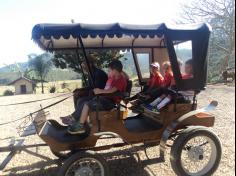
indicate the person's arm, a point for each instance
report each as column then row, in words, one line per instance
column 104, row 91
column 151, row 84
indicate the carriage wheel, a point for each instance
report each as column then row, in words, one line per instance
column 84, row 164
column 196, row 152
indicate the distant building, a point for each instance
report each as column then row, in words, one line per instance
column 23, row 85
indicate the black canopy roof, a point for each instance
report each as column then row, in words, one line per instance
column 56, row 36
column 52, row 37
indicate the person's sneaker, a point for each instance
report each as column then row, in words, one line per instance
column 76, row 128
column 150, row 108
column 68, row 120
column 155, row 110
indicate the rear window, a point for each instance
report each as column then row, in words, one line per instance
column 143, row 60
column 183, row 50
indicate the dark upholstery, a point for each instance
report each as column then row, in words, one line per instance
column 140, row 124
column 129, row 87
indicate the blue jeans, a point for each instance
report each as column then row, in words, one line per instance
column 103, row 103
column 79, row 107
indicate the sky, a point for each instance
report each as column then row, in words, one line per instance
column 18, row 17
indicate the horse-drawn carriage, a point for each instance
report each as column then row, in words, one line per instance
column 195, row 150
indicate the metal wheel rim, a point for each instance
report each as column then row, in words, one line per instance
column 86, row 167
column 193, row 153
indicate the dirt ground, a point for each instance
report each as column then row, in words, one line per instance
column 121, row 162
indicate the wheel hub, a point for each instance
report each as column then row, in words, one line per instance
column 196, row 153
column 84, row 171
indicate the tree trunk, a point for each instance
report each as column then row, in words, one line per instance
column 42, row 86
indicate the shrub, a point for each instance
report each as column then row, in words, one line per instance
column 52, row 89
column 64, row 85
column 8, row 93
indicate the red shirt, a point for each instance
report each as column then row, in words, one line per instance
column 156, row 80
column 168, row 79
column 184, row 76
column 120, row 84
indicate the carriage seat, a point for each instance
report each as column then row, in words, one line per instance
column 129, row 88
column 121, row 95
column 179, row 100
column 116, row 109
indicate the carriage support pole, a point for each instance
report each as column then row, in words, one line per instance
column 14, row 149
column 79, row 62
column 90, row 74
column 11, row 154
column 136, row 64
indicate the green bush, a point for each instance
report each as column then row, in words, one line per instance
column 64, row 85
column 52, row 89
column 8, row 93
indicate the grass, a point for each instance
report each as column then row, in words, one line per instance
column 61, row 86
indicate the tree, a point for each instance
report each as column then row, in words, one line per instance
column 104, row 57
column 71, row 59
column 220, row 14
column 40, row 65
column 68, row 59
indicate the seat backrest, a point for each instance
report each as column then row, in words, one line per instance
column 129, row 87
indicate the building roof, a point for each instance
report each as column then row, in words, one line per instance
column 24, row 78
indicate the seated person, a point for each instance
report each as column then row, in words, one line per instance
column 98, row 76
column 168, row 77
column 167, row 82
column 125, row 75
column 156, row 80
column 168, row 94
column 116, row 82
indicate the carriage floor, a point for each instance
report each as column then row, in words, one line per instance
column 140, row 124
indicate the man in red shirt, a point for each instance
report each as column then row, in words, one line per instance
column 116, row 82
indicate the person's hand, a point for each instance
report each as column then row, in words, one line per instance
column 97, row 91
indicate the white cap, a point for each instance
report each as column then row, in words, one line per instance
column 156, row 65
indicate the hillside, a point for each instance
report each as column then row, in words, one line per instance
column 55, row 74
column 7, row 69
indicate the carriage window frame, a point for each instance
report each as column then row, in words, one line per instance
column 184, row 45
column 181, row 84
column 122, row 51
column 143, row 70
column 142, row 79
